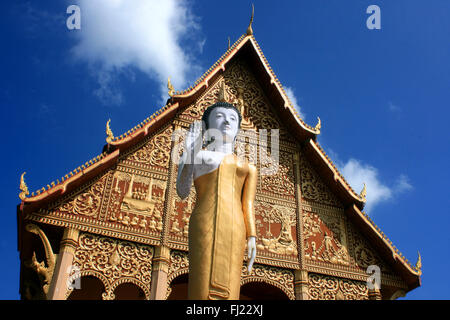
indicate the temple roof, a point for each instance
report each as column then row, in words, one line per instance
column 245, row 47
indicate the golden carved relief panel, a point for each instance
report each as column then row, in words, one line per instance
column 85, row 202
column 279, row 179
column 322, row 287
column 278, row 277
column 313, row 188
column 325, row 237
column 179, row 264
column 114, row 262
column 363, row 255
column 276, row 230
column 332, row 245
column 179, row 219
column 153, row 153
column 137, row 200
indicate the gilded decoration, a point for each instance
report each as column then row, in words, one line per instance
column 280, row 278
column 313, row 187
column 114, row 262
column 282, row 182
column 179, row 264
column 137, row 201
column 179, row 220
column 44, row 269
column 180, row 209
column 23, row 188
column 324, row 237
column 322, row 287
column 276, row 229
column 85, row 202
column 362, row 253
column 154, row 152
column 333, row 246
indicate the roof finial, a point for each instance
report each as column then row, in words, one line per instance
column 419, row 263
column 170, row 87
column 109, row 133
column 318, row 125
column 229, row 43
column 23, row 187
column 363, row 193
column 249, row 29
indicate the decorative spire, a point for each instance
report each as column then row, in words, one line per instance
column 318, row 125
column 363, row 193
column 110, row 135
column 249, row 29
column 229, row 43
column 419, row 263
column 23, row 188
column 170, row 87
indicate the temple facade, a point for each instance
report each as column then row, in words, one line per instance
column 114, row 228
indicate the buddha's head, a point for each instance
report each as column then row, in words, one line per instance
column 222, row 119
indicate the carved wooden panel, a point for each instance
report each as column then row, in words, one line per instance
column 137, row 201
column 114, row 262
column 152, row 153
column 322, row 287
column 333, row 246
column 276, row 227
column 313, row 188
column 363, row 255
column 138, row 188
column 325, row 236
column 84, row 203
column 277, row 277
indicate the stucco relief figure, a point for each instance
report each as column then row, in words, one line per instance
column 223, row 218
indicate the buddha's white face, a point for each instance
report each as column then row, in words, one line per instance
column 226, row 121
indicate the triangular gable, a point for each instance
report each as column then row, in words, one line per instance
column 246, row 47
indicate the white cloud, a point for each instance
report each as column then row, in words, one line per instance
column 402, row 184
column 356, row 173
column 290, row 93
column 143, row 34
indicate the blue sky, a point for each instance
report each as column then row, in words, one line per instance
column 382, row 96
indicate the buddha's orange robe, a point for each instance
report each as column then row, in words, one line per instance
column 220, row 223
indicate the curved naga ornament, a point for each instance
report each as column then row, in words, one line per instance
column 318, row 126
column 418, row 266
column 170, row 87
column 109, row 133
column 45, row 273
column 23, row 188
column 363, row 193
